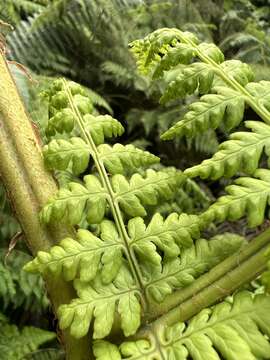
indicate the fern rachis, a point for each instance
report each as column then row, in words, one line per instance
column 127, row 263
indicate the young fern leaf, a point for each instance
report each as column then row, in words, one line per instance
column 130, row 263
column 139, row 191
column 223, row 82
column 100, row 302
column 109, row 265
column 241, row 153
column 229, row 331
column 197, row 76
column 73, row 202
column 60, row 154
column 169, row 235
column 192, row 262
column 247, row 196
column 226, row 107
column 118, row 159
column 84, row 256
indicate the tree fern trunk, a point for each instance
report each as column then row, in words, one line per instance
column 29, row 186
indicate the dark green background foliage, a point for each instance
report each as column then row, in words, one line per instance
column 87, row 41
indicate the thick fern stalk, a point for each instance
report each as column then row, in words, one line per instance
column 124, row 257
column 29, row 186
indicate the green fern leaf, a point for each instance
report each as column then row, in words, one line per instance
column 60, row 153
column 209, row 113
column 19, row 289
column 260, row 91
column 83, row 256
column 70, row 203
column 150, row 50
column 212, row 51
column 247, row 196
column 16, row 344
column 100, row 302
column 105, row 351
column 237, row 70
column 196, row 76
column 229, row 331
column 180, row 54
column 62, row 121
column 168, row 235
column 7, row 285
column 134, row 195
column 241, row 153
column 119, row 159
column 102, row 126
column 192, row 262
column 46, row 354
column 87, row 254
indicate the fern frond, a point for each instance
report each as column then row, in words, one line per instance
column 103, row 126
column 119, row 159
column 16, row 344
column 208, row 113
column 196, row 76
column 140, row 191
column 227, row 331
column 169, row 235
column 130, row 263
column 72, row 202
column 241, row 153
column 204, row 72
column 192, row 262
column 18, row 288
column 59, row 154
column 247, row 196
column 99, row 302
column 87, row 254
column 82, row 257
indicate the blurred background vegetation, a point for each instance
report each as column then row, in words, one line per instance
column 88, row 41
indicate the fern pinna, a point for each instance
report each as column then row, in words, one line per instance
column 127, row 265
